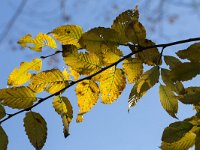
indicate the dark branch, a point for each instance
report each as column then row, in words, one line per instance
column 140, row 49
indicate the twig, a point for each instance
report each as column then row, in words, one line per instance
column 140, row 49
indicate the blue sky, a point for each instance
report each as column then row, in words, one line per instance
column 105, row 127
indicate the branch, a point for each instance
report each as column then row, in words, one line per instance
column 13, row 20
column 140, row 49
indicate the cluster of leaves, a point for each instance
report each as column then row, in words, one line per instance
column 101, row 70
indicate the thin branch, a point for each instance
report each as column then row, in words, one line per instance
column 12, row 20
column 140, row 49
column 44, row 57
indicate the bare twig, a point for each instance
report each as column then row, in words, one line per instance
column 140, row 49
column 13, row 20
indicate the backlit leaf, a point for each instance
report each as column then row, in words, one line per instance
column 190, row 96
column 2, row 112
column 21, row 75
column 64, row 108
column 96, row 37
column 185, row 71
column 4, row 139
column 87, row 93
column 168, row 100
column 51, row 81
column 150, row 56
column 83, row 63
column 172, row 61
column 192, row 53
column 123, row 20
column 112, row 83
column 74, row 74
column 36, row 129
column 17, row 97
column 146, row 81
column 133, row 68
column 69, row 34
column 135, row 32
column 38, row 42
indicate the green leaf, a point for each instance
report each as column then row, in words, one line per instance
column 172, row 61
column 21, row 75
column 150, row 56
column 4, row 139
column 190, row 96
column 197, row 141
column 192, row 53
column 69, row 34
column 36, row 129
column 96, row 37
column 64, row 108
column 122, row 21
column 135, row 32
column 83, row 63
column 168, row 100
column 185, row 71
column 133, row 68
column 51, row 81
column 146, row 81
column 2, row 112
column 17, row 97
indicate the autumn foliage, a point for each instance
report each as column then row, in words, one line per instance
column 96, row 63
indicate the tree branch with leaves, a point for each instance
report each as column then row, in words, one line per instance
column 100, row 69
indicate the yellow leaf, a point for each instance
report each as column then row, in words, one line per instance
column 150, row 56
column 51, row 81
column 135, row 32
column 83, row 63
column 133, row 69
column 36, row 129
column 2, row 112
column 168, row 100
column 122, row 21
column 146, row 81
column 74, row 74
column 64, row 108
column 96, row 37
column 4, row 139
column 17, row 97
column 21, row 75
column 87, row 93
column 66, row 74
column 79, row 118
column 38, row 42
column 69, row 34
column 112, row 83
column 192, row 53
column 185, row 71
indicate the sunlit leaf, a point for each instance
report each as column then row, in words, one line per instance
column 4, row 139
column 51, row 81
column 190, row 96
column 192, row 53
column 66, row 74
column 36, row 129
column 96, row 37
column 17, row 97
column 146, row 81
column 122, row 21
column 150, row 56
column 172, row 61
column 2, row 112
column 133, row 68
column 69, row 34
column 135, row 32
column 168, row 100
column 38, row 42
column 185, row 71
column 21, row 75
column 83, row 63
column 74, row 74
column 87, row 93
column 112, row 83
column 64, row 108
